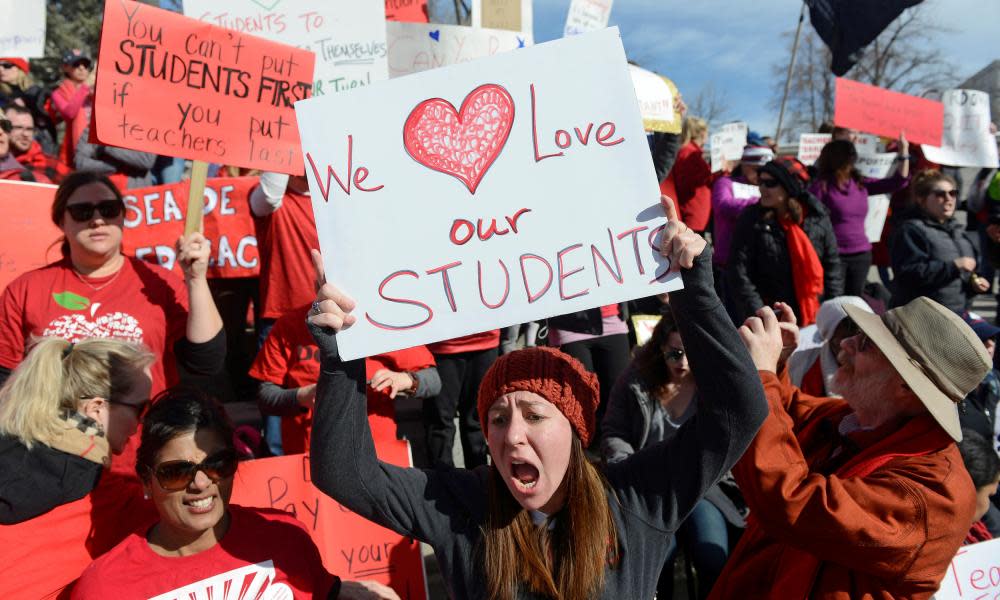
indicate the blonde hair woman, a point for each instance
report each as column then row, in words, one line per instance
column 64, row 410
column 691, row 176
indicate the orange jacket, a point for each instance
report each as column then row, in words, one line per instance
column 883, row 521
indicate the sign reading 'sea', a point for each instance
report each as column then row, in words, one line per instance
column 485, row 194
column 180, row 87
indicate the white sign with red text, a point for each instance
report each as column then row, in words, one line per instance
column 486, row 194
column 967, row 141
column 810, row 145
column 727, row 144
column 876, row 166
column 587, row 15
column 416, row 47
column 974, row 573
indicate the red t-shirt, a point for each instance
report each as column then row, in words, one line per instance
column 290, row 358
column 45, row 554
column 266, row 554
column 284, row 239
column 140, row 303
column 467, row 343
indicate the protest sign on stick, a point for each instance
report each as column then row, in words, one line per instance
column 408, row 11
column 727, row 144
column 509, row 190
column 882, row 112
column 876, row 166
column 415, row 47
column 512, row 15
column 351, row 546
column 967, row 138
column 347, row 36
column 179, row 87
column 22, row 28
column 810, row 145
column 973, row 574
column 587, row 15
column 656, row 96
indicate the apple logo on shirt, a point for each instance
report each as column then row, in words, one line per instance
column 250, row 581
column 78, row 326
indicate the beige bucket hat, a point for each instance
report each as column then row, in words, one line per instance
column 938, row 356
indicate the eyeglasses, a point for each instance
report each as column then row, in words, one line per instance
column 940, row 194
column 84, row 211
column 176, row 475
column 673, row 354
column 7, row 65
column 769, row 183
column 82, row 63
column 6, row 125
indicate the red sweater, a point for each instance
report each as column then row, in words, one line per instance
column 691, row 177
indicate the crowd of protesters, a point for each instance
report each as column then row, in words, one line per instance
column 775, row 461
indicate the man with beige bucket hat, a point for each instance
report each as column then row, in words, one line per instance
column 863, row 496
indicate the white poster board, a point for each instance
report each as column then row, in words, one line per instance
column 810, row 145
column 866, row 144
column 967, row 141
column 512, row 15
column 877, row 166
column 727, row 144
column 656, row 96
column 22, row 28
column 482, row 195
column 974, row 573
column 415, row 47
column 347, row 36
column 587, row 15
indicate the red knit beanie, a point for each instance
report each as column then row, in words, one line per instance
column 20, row 63
column 553, row 375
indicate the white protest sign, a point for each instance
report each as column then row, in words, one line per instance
column 22, row 28
column 810, row 145
column 485, row 194
column 745, row 191
column 866, row 144
column 415, row 47
column 347, row 36
column 727, row 144
column 973, row 574
column 876, row 166
column 967, row 141
column 512, row 15
column 656, row 96
column 587, row 15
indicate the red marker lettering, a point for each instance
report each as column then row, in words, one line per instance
column 616, row 273
column 446, row 281
column 506, row 285
column 381, row 293
column 563, row 275
column 524, row 277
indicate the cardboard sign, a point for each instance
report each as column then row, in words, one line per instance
column 512, row 15
column 22, row 29
column 154, row 219
column 180, row 87
column 967, row 138
column 587, row 15
column 656, row 96
column 30, row 239
column 351, row 547
column 728, row 144
column 491, row 184
column 886, row 113
column 973, row 574
column 415, row 47
column 810, row 145
column 409, row 11
column 878, row 167
column 347, row 36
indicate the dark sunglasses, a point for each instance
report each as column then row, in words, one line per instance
column 6, row 125
column 940, row 194
column 673, row 354
column 81, row 63
column 769, row 183
column 7, row 65
column 176, row 475
column 84, row 211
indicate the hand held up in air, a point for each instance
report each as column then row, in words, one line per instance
column 763, row 337
column 677, row 242
column 332, row 307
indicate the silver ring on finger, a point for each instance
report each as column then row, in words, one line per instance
column 315, row 309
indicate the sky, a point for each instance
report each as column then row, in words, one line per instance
column 733, row 44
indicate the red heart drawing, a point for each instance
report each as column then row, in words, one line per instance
column 461, row 143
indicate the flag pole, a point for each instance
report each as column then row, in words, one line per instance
column 788, row 78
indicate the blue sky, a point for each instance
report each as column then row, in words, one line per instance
column 732, row 44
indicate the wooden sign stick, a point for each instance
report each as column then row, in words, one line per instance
column 196, row 197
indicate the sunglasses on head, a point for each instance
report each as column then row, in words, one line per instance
column 940, row 194
column 769, row 183
column 176, row 475
column 84, row 211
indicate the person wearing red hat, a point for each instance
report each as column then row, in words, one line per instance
column 541, row 520
column 17, row 88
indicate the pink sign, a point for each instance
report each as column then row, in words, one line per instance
column 882, row 112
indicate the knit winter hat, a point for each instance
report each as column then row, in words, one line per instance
column 553, row 375
column 790, row 173
column 756, row 155
column 20, row 63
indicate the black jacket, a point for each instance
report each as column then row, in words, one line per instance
column 759, row 272
column 33, row 482
column 923, row 254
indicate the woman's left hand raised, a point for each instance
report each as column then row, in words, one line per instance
column 193, row 251
column 677, row 242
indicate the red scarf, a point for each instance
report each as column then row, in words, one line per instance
column 807, row 271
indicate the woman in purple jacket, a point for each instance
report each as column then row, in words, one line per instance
column 844, row 191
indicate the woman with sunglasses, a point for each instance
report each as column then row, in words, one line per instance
column 64, row 411
column 542, row 521
column 649, row 404
column 932, row 255
column 19, row 88
column 202, row 543
column 783, row 248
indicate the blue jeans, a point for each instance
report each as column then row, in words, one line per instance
column 272, row 423
column 706, row 543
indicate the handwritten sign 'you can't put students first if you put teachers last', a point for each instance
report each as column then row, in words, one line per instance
column 485, row 194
